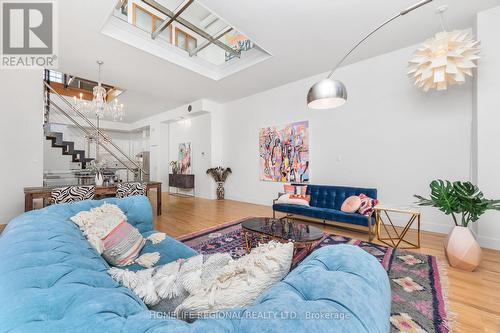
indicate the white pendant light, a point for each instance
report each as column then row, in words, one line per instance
column 444, row 60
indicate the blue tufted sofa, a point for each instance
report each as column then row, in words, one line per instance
column 52, row 280
column 325, row 206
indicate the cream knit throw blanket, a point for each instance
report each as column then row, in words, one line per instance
column 212, row 283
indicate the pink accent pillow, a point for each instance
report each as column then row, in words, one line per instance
column 295, row 189
column 289, row 189
column 301, row 196
column 351, row 204
column 122, row 245
column 367, row 204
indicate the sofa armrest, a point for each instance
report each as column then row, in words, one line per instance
column 345, row 288
column 279, row 195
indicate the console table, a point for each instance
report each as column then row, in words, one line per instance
column 31, row 193
column 177, row 180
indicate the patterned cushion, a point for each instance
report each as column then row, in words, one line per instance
column 72, row 194
column 295, row 189
column 122, row 245
column 367, row 204
column 130, row 189
column 301, row 197
column 297, row 200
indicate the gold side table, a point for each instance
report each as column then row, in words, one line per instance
column 395, row 238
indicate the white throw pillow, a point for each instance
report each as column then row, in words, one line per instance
column 240, row 282
column 98, row 223
column 107, row 230
column 285, row 199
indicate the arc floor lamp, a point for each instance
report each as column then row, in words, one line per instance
column 329, row 93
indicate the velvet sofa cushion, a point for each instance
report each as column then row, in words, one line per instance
column 323, row 213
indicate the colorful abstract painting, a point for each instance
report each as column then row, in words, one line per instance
column 184, row 159
column 284, row 153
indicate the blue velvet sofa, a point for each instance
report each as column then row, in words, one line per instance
column 52, row 280
column 325, row 206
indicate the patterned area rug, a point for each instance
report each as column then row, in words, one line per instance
column 418, row 297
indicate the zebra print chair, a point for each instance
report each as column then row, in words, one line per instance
column 124, row 190
column 69, row 194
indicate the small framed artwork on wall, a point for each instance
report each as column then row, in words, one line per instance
column 185, row 158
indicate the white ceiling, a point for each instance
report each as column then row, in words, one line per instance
column 305, row 37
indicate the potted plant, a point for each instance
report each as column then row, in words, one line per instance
column 97, row 168
column 220, row 175
column 465, row 203
column 175, row 167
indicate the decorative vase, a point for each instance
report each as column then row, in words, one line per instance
column 220, row 191
column 99, row 180
column 462, row 250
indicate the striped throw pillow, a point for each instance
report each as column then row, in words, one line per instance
column 367, row 205
column 130, row 189
column 70, row 194
column 122, row 245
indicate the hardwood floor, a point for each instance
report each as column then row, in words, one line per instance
column 473, row 297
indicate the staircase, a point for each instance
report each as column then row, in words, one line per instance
column 87, row 129
column 68, row 148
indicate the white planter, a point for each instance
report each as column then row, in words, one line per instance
column 99, row 180
column 462, row 249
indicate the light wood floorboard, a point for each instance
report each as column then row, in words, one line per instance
column 473, row 297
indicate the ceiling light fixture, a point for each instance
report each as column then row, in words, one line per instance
column 100, row 107
column 445, row 59
column 99, row 104
column 329, row 93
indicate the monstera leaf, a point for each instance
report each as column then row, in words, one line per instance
column 462, row 198
column 442, row 197
column 472, row 202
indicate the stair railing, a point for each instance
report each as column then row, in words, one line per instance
column 92, row 126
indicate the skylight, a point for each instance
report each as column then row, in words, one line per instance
column 186, row 33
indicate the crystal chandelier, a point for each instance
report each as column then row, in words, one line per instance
column 99, row 106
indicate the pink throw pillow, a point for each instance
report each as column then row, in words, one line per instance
column 295, row 189
column 289, row 189
column 351, row 204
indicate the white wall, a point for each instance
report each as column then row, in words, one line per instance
column 160, row 137
column 21, row 141
column 196, row 130
column 389, row 135
column 488, row 122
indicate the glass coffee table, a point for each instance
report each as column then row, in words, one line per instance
column 265, row 229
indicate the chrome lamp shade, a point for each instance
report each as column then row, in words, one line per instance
column 326, row 94
column 329, row 93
